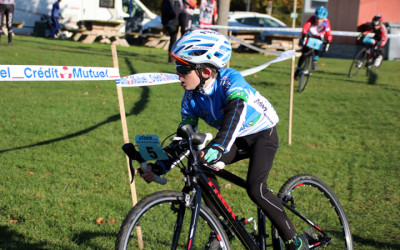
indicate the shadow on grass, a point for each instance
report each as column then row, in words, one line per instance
column 16, row 241
column 375, row 244
column 12, row 240
column 138, row 107
column 373, row 77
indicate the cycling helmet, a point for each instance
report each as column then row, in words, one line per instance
column 321, row 12
column 377, row 20
column 202, row 47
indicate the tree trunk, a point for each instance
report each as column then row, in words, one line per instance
column 223, row 10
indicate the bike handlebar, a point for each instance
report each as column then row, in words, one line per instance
column 195, row 141
column 133, row 154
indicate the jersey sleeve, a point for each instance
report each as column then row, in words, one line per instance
column 234, row 117
column 328, row 31
column 187, row 114
column 306, row 26
column 384, row 35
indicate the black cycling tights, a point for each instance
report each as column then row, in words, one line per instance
column 262, row 147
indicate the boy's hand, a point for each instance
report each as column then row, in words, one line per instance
column 211, row 155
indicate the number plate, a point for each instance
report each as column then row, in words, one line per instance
column 150, row 148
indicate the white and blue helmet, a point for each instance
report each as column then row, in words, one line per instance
column 202, row 47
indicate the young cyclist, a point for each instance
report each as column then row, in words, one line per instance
column 317, row 26
column 380, row 36
column 244, row 119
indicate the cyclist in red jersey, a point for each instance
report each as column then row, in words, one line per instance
column 317, row 26
column 380, row 36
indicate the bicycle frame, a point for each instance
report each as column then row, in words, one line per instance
column 197, row 182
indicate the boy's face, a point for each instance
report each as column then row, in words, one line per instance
column 319, row 21
column 188, row 76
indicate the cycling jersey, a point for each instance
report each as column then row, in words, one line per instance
column 322, row 31
column 230, row 105
column 380, row 34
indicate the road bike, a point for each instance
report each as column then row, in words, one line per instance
column 365, row 59
column 173, row 219
column 307, row 65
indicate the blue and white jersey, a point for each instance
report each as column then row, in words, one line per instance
column 231, row 105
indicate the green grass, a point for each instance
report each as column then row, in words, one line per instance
column 61, row 166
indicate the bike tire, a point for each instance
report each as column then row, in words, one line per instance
column 305, row 73
column 358, row 63
column 314, row 199
column 156, row 214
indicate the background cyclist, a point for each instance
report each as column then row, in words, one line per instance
column 243, row 117
column 380, row 37
column 317, row 26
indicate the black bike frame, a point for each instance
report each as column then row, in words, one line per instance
column 236, row 225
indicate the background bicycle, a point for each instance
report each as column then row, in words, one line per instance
column 366, row 58
column 169, row 219
column 307, row 65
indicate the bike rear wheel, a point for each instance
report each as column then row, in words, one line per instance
column 305, row 72
column 358, row 63
column 315, row 200
column 157, row 216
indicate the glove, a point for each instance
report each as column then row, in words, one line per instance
column 213, row 154
column 327, row 47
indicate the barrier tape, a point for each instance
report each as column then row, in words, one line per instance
column 151, row 79
column 284, row 30
column 56, row 73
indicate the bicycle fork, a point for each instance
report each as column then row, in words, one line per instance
column 193, row 200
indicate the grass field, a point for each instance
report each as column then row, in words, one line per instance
column 62, row 169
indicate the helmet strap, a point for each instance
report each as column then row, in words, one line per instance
column 199, row 88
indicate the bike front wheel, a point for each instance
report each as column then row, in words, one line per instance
column 305, row 72
column 162, row 221
column 315, row 200
column 358, row 63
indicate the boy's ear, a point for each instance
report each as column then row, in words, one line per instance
column 207, row 72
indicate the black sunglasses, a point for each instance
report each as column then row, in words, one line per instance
column 184, row 69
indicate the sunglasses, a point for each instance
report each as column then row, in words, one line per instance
column 184, row 69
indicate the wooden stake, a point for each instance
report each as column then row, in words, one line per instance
column 291, row 96
column 126, row 139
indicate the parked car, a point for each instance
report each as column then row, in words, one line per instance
column 254, row 20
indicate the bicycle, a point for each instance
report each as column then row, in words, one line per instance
column 179, row 219
column 306, row 67
column 365, row 58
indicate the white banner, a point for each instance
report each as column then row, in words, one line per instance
column 147, row 79
column 289, row 31
column 151, row 79
column 284, row 56
column 56, row 73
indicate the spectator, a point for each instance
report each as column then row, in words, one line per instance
column 175, row 14
column 317, row 26
column 7, row 9
column 55, row 16
column 208, row 12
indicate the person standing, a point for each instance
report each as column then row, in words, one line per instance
column 175, row 14
column 55, row 17
column 7, row 9
column 208, row 12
